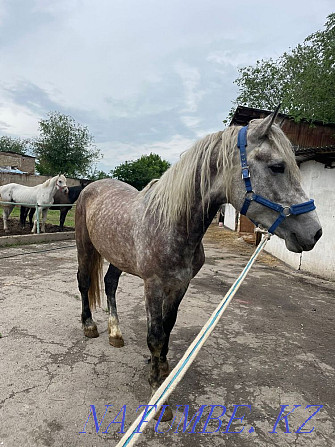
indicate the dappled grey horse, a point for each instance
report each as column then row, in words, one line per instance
column 157, row 233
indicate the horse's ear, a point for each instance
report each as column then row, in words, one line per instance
column 263, row 128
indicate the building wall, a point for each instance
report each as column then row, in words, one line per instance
column 229, row 216
column 25, row 164
column 319, row 184
column 30, row 180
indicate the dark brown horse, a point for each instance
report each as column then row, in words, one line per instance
column 157, row 233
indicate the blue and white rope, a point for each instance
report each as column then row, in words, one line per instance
column 175, row 376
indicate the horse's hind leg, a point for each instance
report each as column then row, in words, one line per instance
column 89, row 325
column 62, row 217
column 89, row 264
column 6, row 213
column 111, row 282
column 84, row 281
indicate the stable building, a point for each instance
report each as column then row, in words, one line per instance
column 14, row 162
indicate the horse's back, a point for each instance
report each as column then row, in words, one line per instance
column 17, row 193
column 107, row 190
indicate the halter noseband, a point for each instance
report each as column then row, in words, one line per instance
column 250, row 196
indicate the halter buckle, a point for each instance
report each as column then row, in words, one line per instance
column 245, row 172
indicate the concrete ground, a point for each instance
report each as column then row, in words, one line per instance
column 273, row 347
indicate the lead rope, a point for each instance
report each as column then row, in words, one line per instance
column 175, row 376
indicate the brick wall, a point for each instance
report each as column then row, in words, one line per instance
column 30, row 180
column 22, row 162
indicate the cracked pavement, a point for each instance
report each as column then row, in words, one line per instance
column 274, row 346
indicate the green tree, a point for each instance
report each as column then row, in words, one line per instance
column 18, row 145
column 97, row 175
column 303, row 80
column 64, row 146
column 140, row 172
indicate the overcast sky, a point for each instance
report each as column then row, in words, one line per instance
column 143, row 75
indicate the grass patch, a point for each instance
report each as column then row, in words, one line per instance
column 52, row 218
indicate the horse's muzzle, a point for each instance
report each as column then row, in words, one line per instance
column 298, row 244
column 64, row 189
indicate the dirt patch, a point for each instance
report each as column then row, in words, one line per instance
column 228, row 238
column 14, row 227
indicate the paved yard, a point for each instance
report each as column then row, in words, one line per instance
column 273, row 347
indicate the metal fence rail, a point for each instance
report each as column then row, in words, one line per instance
column 37, row 206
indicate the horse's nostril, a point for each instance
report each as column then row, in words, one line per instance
column 318, row 234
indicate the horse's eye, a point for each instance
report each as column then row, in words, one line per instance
column 278, row 168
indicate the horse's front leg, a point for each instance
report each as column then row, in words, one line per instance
column 44, row 218
column 170, row 310
column 158, row 338
column 34, row 229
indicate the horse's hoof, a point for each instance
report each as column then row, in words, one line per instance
column 116, row 342
column 167, row 415
column 164, row 370
column 91, row 331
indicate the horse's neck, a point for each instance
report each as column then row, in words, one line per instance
column 74, row 193
column 48, row 190
column 202, row 213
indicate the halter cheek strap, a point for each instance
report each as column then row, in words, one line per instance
column 250, row 196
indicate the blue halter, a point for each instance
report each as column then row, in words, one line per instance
column 250, row 196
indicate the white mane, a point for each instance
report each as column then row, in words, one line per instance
column 174, row 193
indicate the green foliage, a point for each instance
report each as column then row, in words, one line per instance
column 18, row 145
column 140, row 172
column 64, row 146
column 97, row 175
column 302, row 80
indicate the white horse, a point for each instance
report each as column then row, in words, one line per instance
column 42, row 195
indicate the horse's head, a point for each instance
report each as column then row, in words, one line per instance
column 273, row 175
column 61, row 184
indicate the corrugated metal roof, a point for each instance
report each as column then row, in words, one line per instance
column 12, row 171
column 310, row 141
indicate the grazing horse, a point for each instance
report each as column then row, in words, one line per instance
column 61, row 197
column 42, row 195
column 157, row 233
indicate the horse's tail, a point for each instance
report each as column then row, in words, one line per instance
column 90, row 262
column 94, row 292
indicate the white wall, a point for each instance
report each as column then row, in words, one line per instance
column 229, row 216
column 319, row 184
